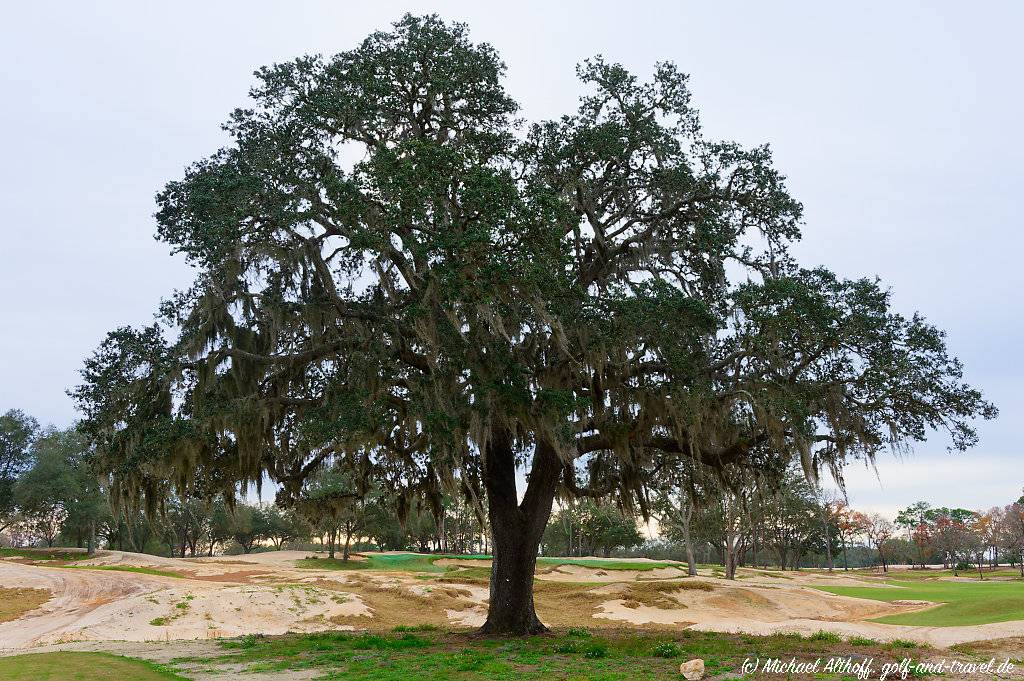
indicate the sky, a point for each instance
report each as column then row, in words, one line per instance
column 897, row 125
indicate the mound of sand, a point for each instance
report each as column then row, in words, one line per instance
column 267, row 593
column 113, row 605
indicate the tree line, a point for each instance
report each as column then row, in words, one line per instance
column 51, row 497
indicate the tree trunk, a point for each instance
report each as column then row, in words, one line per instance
column 753, row 540
column 91, row 546
column 687, row 515
column 828, row 545
column 516, row 531
column 729, row 558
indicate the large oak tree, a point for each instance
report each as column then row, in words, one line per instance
column 395, row 271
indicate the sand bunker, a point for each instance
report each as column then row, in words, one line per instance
column 113, row 605
column 268, row 593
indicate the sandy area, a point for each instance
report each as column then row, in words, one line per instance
column 267, row 593
column 113, row 605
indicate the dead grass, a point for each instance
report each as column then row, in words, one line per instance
column 240, row 577
column 394, row 604
column 567, row 604
column 16, row 602
column 1007, row 647
column 658, row 593
column 459, row 578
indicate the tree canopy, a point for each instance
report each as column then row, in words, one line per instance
column 393, row 269
column 17, row 430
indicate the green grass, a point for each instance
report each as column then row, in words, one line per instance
column 43, row 554
column 126, row 568
column 405, row 562
column 611, row 564
column 576, row 653
column 963, row 603
column 416, row 562
column 70, row 666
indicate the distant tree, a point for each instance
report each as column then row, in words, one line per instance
column 825, row 503
column 612, row 529
column 992, row 533
column 248, row 525
column 1012, row 532
column 914, row 519
column 381, row 525
column 899, row 549
column 791, row 518
column 17, row 430
column 188, row 522
column 593, row 527
column 221, row 529
column 60, row 488
column 283, row 526
column 851, row 524
column 729, row 511
column 86, row 502
column 879, row 530
column 332, row 503
column 683, row 487
column 952, row 534
column 981, row 527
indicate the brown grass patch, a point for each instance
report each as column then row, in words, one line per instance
column 239, row 577
column 393, row 603
column 658, row 594
column 1007, row 647
column 567, row 604
column 457, row 579
column 559, row 604
column 16, row 602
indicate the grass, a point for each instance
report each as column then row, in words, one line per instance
column 71, row 666
column 573, row 653
column 934, row 573
column 963, row 603
column 16, row 602
column 404, row 562
column 610, row 564
column 64, row 558
column 417, row 562
column 43, row 554
column 127, row 568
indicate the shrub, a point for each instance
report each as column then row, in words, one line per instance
column 861, row 641
column 666, row 649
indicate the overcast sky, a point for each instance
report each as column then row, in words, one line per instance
column 898, row 125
